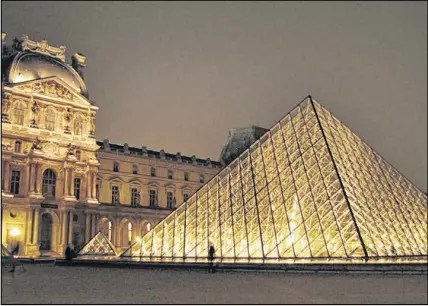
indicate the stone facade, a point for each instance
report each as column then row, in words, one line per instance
column 59, row 185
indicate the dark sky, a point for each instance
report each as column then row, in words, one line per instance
column 179, row 75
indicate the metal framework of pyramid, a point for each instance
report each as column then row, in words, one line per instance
column 309, row 189
column 4, row 251
column 99, row 245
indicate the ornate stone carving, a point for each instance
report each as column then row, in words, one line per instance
column 5, row 108
column 51, row 148
column 49, row 88
column 42, row 47
column 36, row 144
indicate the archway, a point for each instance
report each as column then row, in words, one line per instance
column 145, row 227
column 126, row 233
column 105, row 225
column 46, row 232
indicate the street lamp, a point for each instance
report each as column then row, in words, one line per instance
column 14, row 232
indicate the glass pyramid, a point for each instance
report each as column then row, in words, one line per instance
column 4, row 251
column 99, row 245
column 308, row 189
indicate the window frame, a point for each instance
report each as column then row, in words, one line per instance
column 15, row 178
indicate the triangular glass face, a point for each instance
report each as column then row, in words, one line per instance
column 99, row 245
column 307, row 189
column 4, row 251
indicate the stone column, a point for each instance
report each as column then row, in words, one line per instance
column 71, row 182
column 63, row 227
column 27, row 178
column 6, row 176
column 66, row 179
column 32, row 177
column 87, row 229
column 70, row 228
column 36, row 227
column 88, row 185
column 38, row 178
column 94, row 185
column 94, row 225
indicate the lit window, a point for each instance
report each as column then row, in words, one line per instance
column 115, row 194
column 170, row 173
column 148, row 227
column 14, row 183
column 186, row 176
column 201, row 178
column 18, row 147
column 77, row 188
column 129, row 233
column 116, row 167
column 50, row 120
column 109, row 230
column 18, row 114
column 153, row 171
column 134, row 169
column 153, row 198
column 170, row 200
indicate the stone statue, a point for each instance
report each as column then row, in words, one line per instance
column 5, row 106
column 36, row 144
column 70, row 150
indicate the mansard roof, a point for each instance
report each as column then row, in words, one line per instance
column 119, row 148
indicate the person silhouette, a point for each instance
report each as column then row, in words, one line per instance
column 211, row 257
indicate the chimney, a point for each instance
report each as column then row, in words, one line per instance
column 126, row 148
column 178, row 155
column 162, row 154
column 106, row 145
column 144, row 151
column 78, row 63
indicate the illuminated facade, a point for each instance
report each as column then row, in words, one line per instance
column 59, row 185
column 308, row 189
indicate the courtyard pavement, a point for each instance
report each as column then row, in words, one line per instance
column 48, row 284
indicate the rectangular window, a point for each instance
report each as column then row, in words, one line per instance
column 169, row 173
column 153, row 199
column 169, row 200
column 185, row 197
column 115, row 194
column 77, row 188
column 135, row 199
column 14, row 183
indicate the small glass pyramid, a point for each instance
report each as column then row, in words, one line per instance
column 310, row 190
column 99, row 245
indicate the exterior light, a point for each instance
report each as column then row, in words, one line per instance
column 14, row 232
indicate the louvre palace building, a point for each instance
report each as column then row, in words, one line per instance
column 306, row 189
column 60, row 186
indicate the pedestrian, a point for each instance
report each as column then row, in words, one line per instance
column 68, row 253
column 14, row 259
column 211, row 257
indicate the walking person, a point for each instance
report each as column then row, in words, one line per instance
column 14, row 259
column 211, row 257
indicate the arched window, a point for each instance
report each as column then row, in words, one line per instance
column 129, row 233
column 134, row 169
column 170, row 173
column 18, row 114
column 109, row 230
column 49, row 182
column 78, row 127
column 50, row 119
column 116, row 167
column 186, row 176
column 153, row 171
column 148, row 227
column 201, row 178
column 18, row 147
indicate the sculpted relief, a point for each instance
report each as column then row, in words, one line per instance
column 49, row 88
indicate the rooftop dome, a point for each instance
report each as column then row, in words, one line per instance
column 37, row 60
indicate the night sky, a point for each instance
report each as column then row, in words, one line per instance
column 178, row 75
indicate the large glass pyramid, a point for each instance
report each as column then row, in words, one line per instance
column 99, row 245
column 307, row 189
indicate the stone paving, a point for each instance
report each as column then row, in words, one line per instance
column 47, row 284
